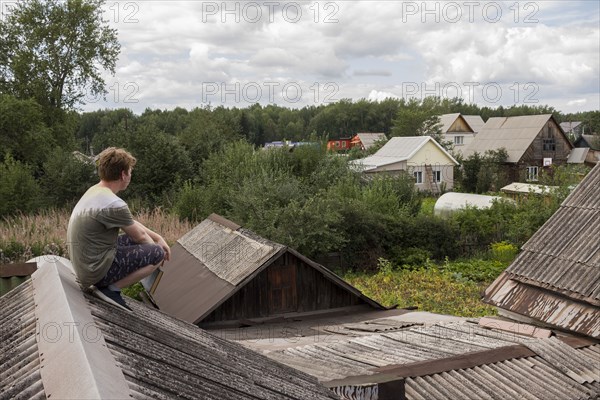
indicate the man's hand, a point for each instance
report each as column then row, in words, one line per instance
column 162, row 243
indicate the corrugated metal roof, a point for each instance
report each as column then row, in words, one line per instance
column 369, row 139
column 515, row 134
column 156, row 355
column 475, row 122
column 556, row 277
column 553, row 370
column 399, row 149
column 19, row 357
column 578, row 155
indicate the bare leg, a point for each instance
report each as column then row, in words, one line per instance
column 136, row 276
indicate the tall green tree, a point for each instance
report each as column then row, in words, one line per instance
column 55, row 51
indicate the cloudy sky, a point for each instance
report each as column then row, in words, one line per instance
column 237, row 53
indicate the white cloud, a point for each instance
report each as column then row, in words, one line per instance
column 368, row 49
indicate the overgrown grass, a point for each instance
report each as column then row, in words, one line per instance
column 453, row 288
column 25, row 236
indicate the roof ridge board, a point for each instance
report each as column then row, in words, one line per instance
column 61, row 304
column 460, row 361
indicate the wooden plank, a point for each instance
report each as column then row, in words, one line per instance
column 224, row 221
column 463, row 361
column 516, row 327
column 17, row 269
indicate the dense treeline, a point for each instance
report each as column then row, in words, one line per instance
column 173, row 145
column 195, row 162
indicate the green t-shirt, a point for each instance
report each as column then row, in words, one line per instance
column 93, row 231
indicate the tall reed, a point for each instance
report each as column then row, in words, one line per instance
column 25, row 236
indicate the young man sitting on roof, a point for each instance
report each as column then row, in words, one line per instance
column 100, row 256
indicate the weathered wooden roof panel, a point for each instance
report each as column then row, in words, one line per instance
column 156, row 356
column 231, row 255
column 556, row 277
column 451, row 361
column 19, row 357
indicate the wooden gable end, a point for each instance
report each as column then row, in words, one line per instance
column 460, row 125
column 287, row 285
column 550, row 143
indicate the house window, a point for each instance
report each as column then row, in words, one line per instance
column 459, row 140
column 549, row 144
column 418, row 176
column 548, row 140
column 343, row 144
column 437, row 176
column 532, row 173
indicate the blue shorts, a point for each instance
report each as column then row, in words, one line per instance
column 130, row 257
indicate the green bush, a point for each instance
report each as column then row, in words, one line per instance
column 66, row 179
column 503, row 251
column 475, row 270
column 19, row 191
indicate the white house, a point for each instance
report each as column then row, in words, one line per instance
column 420, row 156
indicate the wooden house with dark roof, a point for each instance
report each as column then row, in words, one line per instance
column 222, row 273
column 592, row 143
column 532, row 142
column 555, row 280
column 57, row 342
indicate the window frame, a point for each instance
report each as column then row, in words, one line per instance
column 532, row 173
column 418, row 177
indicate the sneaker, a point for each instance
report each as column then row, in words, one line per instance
column 112, row 297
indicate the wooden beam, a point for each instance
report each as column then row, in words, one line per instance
column 391, row 390
column 17, row 269
column 462, row 361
